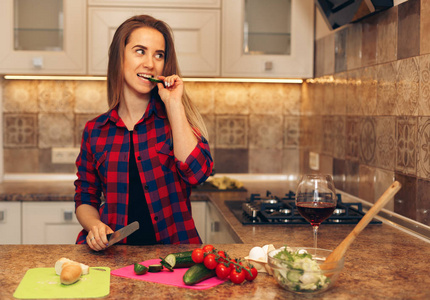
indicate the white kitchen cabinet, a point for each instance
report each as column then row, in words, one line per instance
column 159, row 3
column 211, row 225
column 10, row 222
column 21, row 25
column 49, row 222
column 196, row 35
column 238, row 62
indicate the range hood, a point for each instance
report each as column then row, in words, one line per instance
column 337, row 13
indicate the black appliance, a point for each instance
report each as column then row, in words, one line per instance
column 272, row 210
column 337, row 13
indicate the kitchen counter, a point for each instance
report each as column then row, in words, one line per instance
column 383, row 262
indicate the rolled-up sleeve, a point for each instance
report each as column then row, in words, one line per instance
column 87, row 186
column 198, row 165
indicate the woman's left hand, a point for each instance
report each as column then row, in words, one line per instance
column 172, row 90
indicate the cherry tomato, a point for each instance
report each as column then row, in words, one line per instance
column 208, row 248
column 253, row 276
column 221, row 253
column 210, row 261
column 237, row 277
column 198, row 255
column 222, row 271
column 232, row 266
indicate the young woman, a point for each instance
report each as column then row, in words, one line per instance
column 146, row 152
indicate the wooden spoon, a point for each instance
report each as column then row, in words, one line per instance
column 340, row 250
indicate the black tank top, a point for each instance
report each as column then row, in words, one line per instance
column 137, row 206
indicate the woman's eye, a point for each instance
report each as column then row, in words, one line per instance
column 159, row 55
column 140, row 51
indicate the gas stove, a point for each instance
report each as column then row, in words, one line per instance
column 275, row 210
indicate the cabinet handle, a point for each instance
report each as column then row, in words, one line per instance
column 215, row 226
column 268, row 66
column 68, row 216
column 2, row 214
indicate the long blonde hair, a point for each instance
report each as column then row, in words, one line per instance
column 115, row 75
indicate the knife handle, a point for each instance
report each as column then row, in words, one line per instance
column 108, row 236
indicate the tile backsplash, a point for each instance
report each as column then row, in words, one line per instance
column 253, row 128
column 367, row 111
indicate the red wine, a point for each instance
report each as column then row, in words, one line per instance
column 315, row 213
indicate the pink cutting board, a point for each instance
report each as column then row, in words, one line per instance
column 166, row 277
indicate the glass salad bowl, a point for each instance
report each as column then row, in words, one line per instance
column 298, row 269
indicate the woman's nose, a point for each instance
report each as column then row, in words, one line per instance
column 148, row 62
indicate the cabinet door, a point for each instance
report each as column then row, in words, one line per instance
column 297, row 64
column 196, row 34
column 159, row 3
column 218, row 231
column 71, row 59
column 198, row 209
column 49, row 223
column 10, row 222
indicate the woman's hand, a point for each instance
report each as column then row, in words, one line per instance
column 96, row 238
column 172, row 90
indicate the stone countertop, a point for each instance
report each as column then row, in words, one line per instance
column 382, row 263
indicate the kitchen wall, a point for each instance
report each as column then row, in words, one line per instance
column 253, row 128
column 367, row 111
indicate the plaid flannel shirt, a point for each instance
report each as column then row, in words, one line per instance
column 103, row 165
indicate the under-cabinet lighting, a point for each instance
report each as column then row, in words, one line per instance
column 196, row 79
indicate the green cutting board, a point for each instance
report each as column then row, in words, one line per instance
column 43, row 283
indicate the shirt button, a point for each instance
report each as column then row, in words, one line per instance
column 171, row 148
column 155, row 218
column 204, row 140
column 146, row 187
column 138, row 158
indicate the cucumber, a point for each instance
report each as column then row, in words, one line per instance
column 166, row 265
column 180, row 259
column 197, row 273
column 294, row 275
column 155, row 268
column 140, row 269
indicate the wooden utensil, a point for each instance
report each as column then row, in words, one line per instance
column 340, row 250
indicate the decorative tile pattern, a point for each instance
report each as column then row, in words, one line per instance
column 291, row 132
column 266, row 98
column 367, row 141
column 423, row 147
column 385, row 142
column 409, row 29
column 408, row 87
column 386, row 89
column 56, row 96
column 20, row 96
column 424, row 97
column 353, row 46
column 232, row 99
column 231, row 132
column 91, row 97
column 407, row 136
column 352, row 142
column 202, row 95
column 56, row 130
column 369, row 91
column 339, row 137
column 328, row 135
column 20, row 130
column 266, row 132
column 386, row 49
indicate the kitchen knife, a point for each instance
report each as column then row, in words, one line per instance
column 122, row 233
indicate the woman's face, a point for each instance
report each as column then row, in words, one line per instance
column 143, row 56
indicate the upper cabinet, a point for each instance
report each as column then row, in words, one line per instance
column 196, row 33
column 43, row 37
column 271, row 38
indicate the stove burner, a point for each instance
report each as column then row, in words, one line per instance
column 274, row 210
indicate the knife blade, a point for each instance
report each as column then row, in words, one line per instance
column 122, row 233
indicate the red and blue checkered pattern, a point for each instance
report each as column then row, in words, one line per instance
column 103, row 168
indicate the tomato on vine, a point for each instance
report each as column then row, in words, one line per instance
column 237, row 276
column 253, row 271
column 222, row 272
column 198, row 255
column 208, row 248
column 210, row 261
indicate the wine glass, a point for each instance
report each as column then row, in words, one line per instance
column 316, row 199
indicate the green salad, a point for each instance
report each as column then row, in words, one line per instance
column 299, row 272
